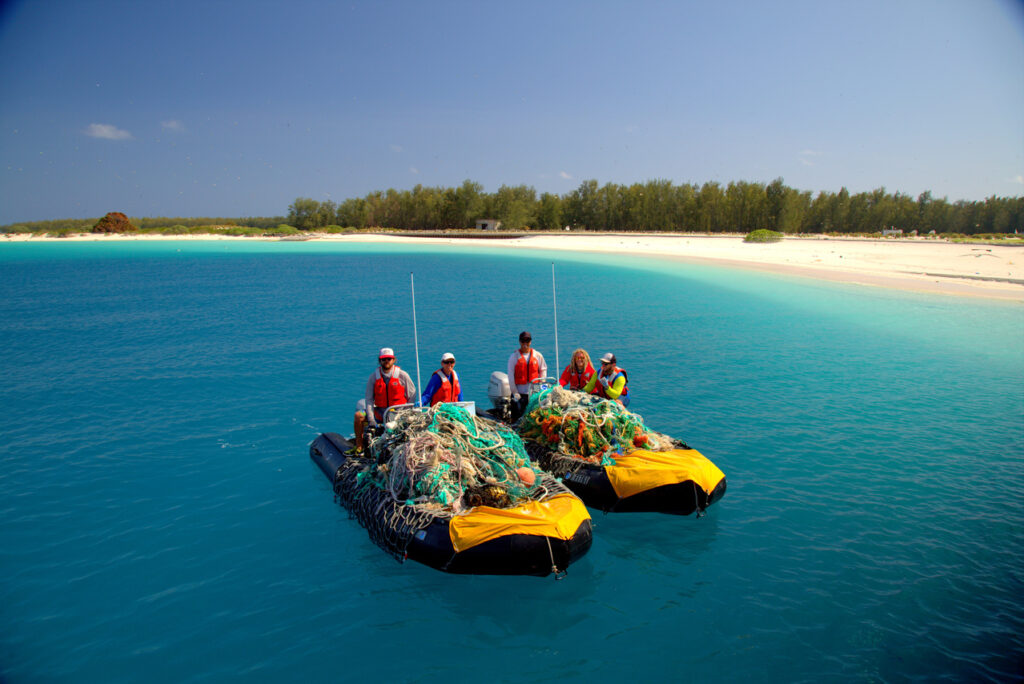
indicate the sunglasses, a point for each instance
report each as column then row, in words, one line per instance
column 452, row 361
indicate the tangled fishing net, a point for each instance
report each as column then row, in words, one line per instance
column 444, row 460
column 586, row 427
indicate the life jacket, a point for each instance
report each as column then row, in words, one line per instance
column 604, row 382
column 449, row 389
column 527, row 369
column 577, row 381
column 388, row 392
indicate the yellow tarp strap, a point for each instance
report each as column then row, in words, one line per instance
column 559, row 517
column 641, row 470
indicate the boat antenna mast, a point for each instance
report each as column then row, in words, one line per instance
column 554, row 301
column 416, row 340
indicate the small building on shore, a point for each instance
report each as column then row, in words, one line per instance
column 891, row 231
column 488, row 224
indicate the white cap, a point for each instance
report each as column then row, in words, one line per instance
column 608, row 358
column 448, row 356
column 387, row 353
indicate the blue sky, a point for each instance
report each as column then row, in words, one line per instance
column 237, row 108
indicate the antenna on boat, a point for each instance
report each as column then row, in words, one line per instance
column 416, row 338
column 554, row 300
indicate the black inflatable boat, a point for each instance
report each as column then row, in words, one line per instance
column 539, row 537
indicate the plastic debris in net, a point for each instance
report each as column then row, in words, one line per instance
column 444, row 460
column 586, row 427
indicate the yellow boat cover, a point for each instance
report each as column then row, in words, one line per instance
column 641, row 470
column 559, row 517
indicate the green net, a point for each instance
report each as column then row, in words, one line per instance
column 445, row 460
column 586, row 427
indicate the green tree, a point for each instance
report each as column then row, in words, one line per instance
column 549, row 212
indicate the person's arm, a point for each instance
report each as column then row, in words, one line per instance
column 432, row 386
column 589, row 387
column 409, row 386
column 542, row 365
column 460, row 385
column 564, row 380
column 512, row 373
column 615, row 389
column 368, row 395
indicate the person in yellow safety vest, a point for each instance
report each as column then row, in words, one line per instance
column 610, row 381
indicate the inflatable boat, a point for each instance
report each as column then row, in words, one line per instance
column 604, row 453
column 479, row 532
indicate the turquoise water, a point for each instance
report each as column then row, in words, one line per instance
column 162, row 520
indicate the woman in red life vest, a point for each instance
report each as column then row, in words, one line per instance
column 610, row 381
column 387, row 386
column 444, row 383
column 577, row 374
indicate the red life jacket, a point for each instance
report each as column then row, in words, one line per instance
column 390, row 392
column 527, row 369
column 603, row 383
column 449, row 389
column 577, row 381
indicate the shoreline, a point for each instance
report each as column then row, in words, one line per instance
column 920, row 265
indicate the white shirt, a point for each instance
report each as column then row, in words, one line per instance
column 542, row 368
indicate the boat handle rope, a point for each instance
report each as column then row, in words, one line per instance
column 701, row 512
column 554, row 568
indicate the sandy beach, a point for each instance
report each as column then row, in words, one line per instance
column 936, row 266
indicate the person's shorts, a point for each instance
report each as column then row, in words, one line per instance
column 378, row 415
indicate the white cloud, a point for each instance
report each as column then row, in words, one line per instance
column 1019, row 180
column 414, row 170
column 565, row 175
column 807, row 157
column 173, row 125
column 107, row 132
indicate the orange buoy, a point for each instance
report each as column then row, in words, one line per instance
column 527, row 475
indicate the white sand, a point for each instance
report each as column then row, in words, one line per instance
column 936, row 266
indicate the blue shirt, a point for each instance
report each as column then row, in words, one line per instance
column 434, row 385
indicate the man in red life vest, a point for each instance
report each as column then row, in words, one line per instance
column 525, row 365
column 388, row 385
column 610, row 381
column 444, row 383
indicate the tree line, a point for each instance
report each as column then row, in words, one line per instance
column 660, row 205
column 178, row 224
column 654, row 206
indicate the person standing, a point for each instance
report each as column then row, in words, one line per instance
column 610, row 381
column 577, row 374
column 444, row 383
column 388, row 386
column 525, row 365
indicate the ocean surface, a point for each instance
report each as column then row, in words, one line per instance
column 160, row 519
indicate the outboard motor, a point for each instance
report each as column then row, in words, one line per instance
column 500, row 394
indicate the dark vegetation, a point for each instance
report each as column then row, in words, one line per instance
column 114, row 222
column 660, row 205
column 654, row 206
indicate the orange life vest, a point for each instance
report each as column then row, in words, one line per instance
column 449, row 389
column 527, row 369
column 603, row 382
column 577, row 381
column 389, row 392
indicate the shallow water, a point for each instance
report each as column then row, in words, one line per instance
column 162, row 519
